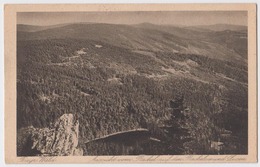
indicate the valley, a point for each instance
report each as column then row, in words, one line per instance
column 116, row 78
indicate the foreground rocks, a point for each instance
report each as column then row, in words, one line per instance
column 59, row 140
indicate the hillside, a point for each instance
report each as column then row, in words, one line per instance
column 120, row 77
column 151, row 37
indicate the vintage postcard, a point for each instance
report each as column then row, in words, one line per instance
column 139, row 83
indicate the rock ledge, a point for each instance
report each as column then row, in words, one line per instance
column 59, row 140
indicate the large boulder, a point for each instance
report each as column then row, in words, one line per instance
column 59, row 140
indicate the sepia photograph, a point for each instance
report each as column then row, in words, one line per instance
column 132, row 83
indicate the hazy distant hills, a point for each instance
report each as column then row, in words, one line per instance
column 32, row 28
column 225, row 42
column 222, row 27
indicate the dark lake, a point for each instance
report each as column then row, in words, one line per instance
column 128, row 143
column 144, row 143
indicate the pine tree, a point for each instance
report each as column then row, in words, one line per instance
column 176, row 133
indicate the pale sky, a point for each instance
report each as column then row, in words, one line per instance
column 185, row 18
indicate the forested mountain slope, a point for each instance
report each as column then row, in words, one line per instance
column 121, row 77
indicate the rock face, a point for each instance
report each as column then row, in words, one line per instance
column 59, row 140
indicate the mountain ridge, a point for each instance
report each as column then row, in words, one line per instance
column 210, row 26
column 151, row 37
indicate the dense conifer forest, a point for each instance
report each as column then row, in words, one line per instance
column 187, row 100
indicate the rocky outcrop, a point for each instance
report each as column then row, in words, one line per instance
column 60, row 140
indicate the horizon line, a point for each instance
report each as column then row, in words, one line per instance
column 180, row 25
